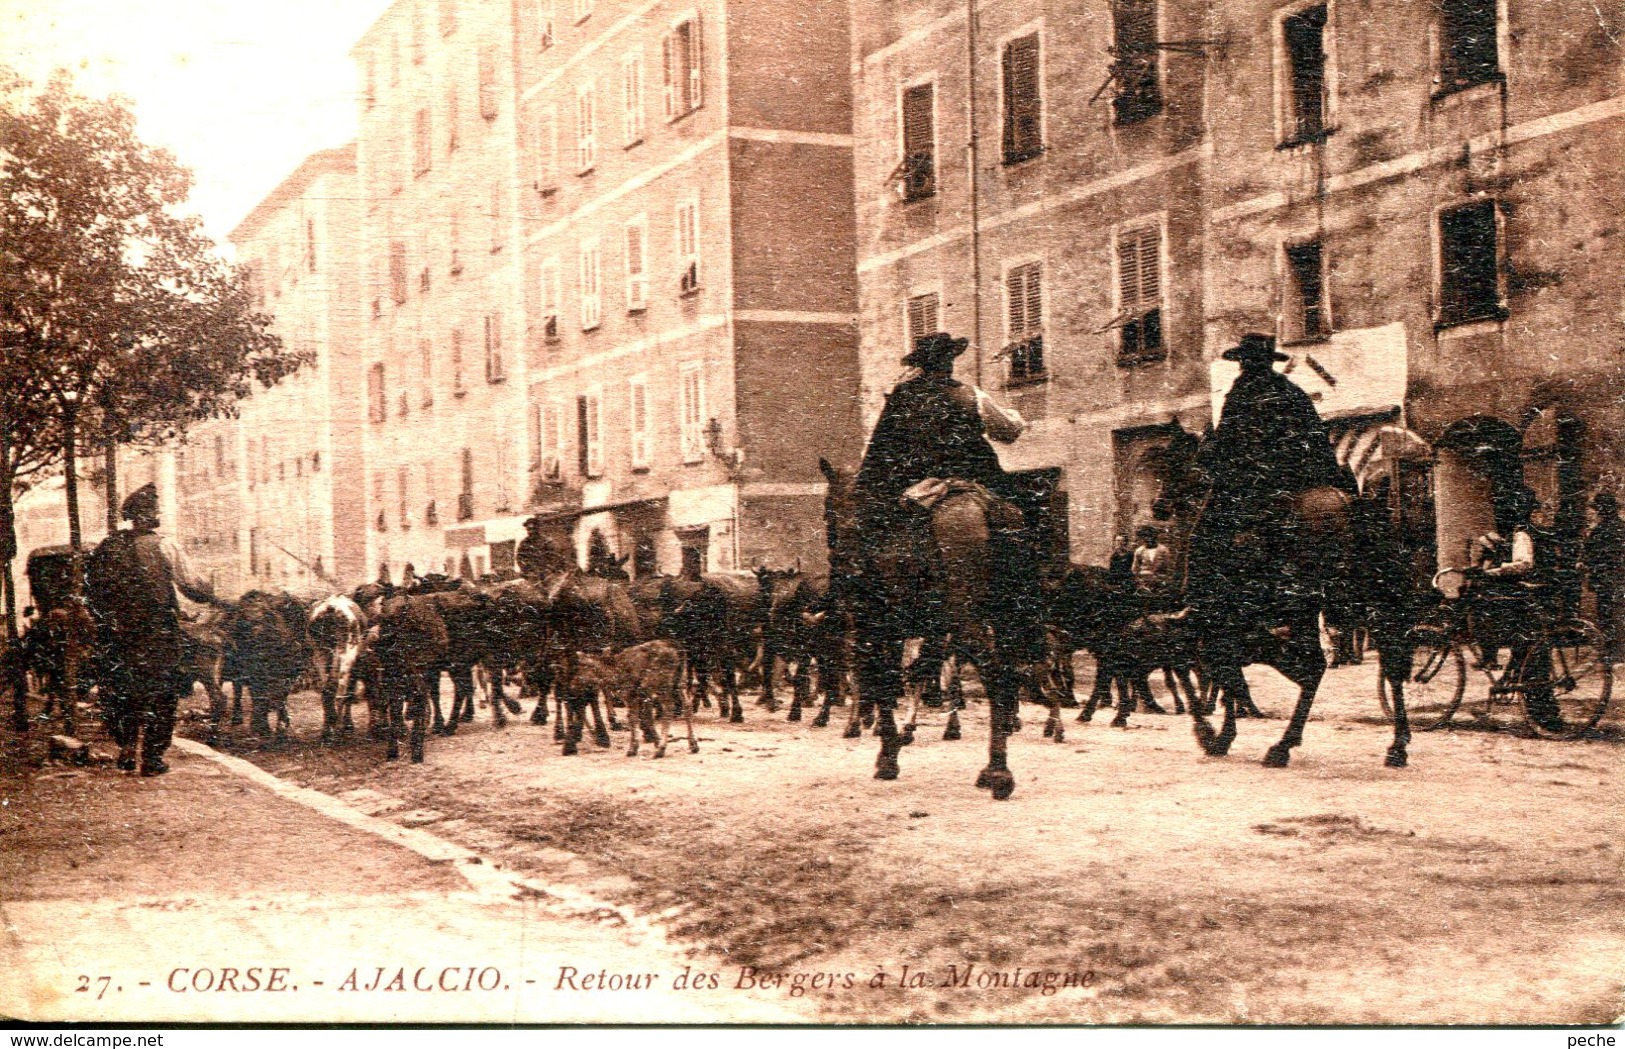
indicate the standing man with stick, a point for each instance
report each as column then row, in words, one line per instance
column 131, row 581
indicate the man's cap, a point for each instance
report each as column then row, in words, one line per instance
column 1146, row 532
column 534, row 522
column 937, row 349
column 141, row 502
column 1605, row 502
column 1254, row 346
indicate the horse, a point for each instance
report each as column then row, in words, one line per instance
column 1327, row 553
column 884, row 597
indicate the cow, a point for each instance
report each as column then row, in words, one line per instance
column 409, row 641
column 716, row 627
column 337, row 629
column 801, row 627
column 647, row 677
column 266, row 651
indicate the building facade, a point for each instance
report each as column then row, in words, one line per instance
column 687, row 231
column 444, row 391
column 1413, row 198
column 273, row 498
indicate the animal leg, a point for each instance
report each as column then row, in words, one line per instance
column 730, row 695
column 1002, row 696
column 600, row 734
column 1308, row 674
column 419, row 719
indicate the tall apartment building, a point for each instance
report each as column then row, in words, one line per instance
column 1104, row 194
column 273, row 497
column 690, row 343
column 445, row 402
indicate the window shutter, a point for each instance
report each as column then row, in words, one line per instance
column 595, row 434
column 696, row 91
column 692, row 415
column 590, row 288
column 919, row 146
column 632, row 98
column 923, row 317
column 669, row 74
column 1022, row 100
column 639, row 411
column 586, row 130
column 637, row 281
column 547, row 150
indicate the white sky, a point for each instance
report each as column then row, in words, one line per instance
column 240, row 91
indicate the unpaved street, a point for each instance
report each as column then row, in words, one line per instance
column 1144, row 882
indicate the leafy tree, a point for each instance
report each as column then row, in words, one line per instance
column 118, row 315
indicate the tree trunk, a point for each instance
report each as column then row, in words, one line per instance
column 76, row 564
column 8, row 553
column 110, row 470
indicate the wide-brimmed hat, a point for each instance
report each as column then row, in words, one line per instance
column 937, row 349
column 143, row 502
column 1254, row 347
column 534, row 522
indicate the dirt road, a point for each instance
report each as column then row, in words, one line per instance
column 1481, row 885
column 1140, row 881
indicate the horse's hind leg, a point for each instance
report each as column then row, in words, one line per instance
column 1307, row 674
column 1002, row 697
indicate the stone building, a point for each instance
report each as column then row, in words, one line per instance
column 443, row 423
column 689, row 343
column 1415, row 198
column 273, row 498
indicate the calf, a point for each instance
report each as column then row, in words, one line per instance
column 648, row 672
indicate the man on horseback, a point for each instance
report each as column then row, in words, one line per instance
column 932, row 439
column 1269, row 449
column 131, row 581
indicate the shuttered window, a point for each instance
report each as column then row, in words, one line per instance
column 590, row 286
column 918, row 173
column 448, row 17
column 465, row 492
column 397, row 272
column 1136, row 61
column 550, row 299
column 375, row 401
column 632, row 118
column 638, row 417
column 680, row 53
column 1304, row 314
column 1304, row 45
column 586, row 129
column 1139, row 291
column 637, row 276
column 592, row 432
column 459, row 385
column 1023, row 100
column 426, row 370
column 547, row 150
column 544, row 23
column 494, row 368
column 1024, row 320
column 1468, row 50
column 488, row 82
column 453, row 118
column 1469, row 264
column 923, row 317
column 688, row 247
column 499, row 216
column 691, row 413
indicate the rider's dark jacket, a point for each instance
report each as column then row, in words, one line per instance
column 1270, row 443
column 929, row 428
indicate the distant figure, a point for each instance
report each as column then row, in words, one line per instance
column 131, row 581
column 1604, row 561
column 540, row 555
column 1120, row 568
column 1152, row 562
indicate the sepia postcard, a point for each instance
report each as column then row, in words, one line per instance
column 808, row 512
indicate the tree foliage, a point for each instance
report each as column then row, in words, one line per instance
column 114, row 304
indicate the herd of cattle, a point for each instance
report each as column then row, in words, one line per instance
column 577, row 640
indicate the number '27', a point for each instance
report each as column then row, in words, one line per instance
column 101, row 983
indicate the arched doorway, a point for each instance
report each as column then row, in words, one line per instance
column 1480, row 468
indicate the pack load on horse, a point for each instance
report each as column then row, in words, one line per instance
column 1280, row 539
column 940, row 548
column 61, row 625
column 130, row 581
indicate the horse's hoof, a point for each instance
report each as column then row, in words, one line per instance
column 886, row 770
column 984, row 779
column 794, row 715
column 602, row 739
column 417, row 757
column 853, row 731
column 236, row 720
column 1002, row 783
column 951, row 733
column 1049, row 730
column 1207, row 740
column 1277, row 757
column 558, row 732
column 392, row 755
column 1120, row 721
column 660, row 752
column 1060, row 734
column 570, row 749
column 736, row 718
column 1397, row 759
column 694, row 748
column 821, row 721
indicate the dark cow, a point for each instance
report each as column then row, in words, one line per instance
column 716, row 626
column 802, row 626
column 585, row 614
column 266, row 651
column 475, row 636
column 410, row 642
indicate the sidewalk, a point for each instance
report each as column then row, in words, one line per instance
column 219, row 894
